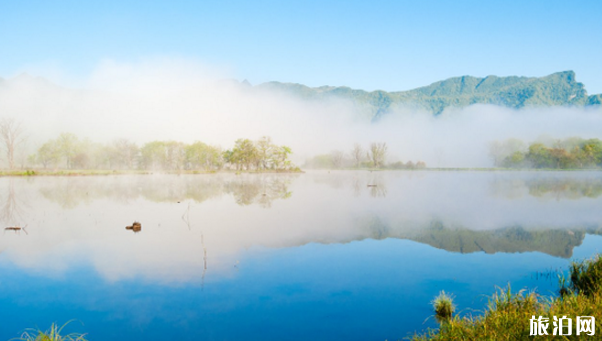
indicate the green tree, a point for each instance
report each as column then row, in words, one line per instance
column 592, row 152
column 539, row 156
column 48, row 154
column 281, row 157
column 265, row 152
column 244, row 154
column 153, row 155
column 500, row 151
column 202, row 156
column 377, row 153
column 67, row 144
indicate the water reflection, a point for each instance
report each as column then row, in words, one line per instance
column 247, row 189
column 553, row 187
column 13, row 206
column 199, row 224
column 554, row 242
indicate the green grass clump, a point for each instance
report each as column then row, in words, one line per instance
column 444, row 307
column 585, row 278
column 507, row 315
column 52, row 334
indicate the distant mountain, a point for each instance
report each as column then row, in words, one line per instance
column 558, row 89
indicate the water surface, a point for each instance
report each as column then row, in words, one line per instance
column 320, row 256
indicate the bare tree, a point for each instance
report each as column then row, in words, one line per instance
column 337, row 156
column 357, row 153
column 11, row 133
column 377, row 153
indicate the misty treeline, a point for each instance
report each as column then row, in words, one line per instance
column 68, row 151
column 374, row 156
column 570, row 153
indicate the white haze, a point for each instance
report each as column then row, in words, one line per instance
column 167, row 99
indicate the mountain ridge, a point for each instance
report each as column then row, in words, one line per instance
column 557, row 89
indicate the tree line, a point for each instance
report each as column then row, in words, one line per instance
column 571, row 153
column 374, row 156
column 68, row 151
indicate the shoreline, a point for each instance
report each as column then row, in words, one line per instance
column 99, row 172
column 90, row 172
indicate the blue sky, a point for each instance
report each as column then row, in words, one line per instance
column 389, row 45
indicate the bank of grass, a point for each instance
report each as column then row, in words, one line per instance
column 507, row 315
column 101, row 172
column 64, row 172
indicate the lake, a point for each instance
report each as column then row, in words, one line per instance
column 353, row 255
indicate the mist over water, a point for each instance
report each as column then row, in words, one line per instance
column 183, row 100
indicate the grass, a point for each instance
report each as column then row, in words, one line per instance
column 507, row 315
column 63, row 172
column 444, row 307
column 52, row 334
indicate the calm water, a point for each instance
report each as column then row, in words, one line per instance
column 315, row 256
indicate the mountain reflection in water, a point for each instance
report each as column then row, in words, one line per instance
column 314, row 256
column 190, row 221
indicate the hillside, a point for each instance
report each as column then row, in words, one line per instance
column 558, row 89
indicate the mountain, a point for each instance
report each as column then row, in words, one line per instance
column 558, row 89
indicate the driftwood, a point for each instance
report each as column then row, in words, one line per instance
column 136, row 227
column 372, row 186
column 16, row 229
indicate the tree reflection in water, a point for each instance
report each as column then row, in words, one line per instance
column 551, row 187
column 12, row 212
column 247, row 189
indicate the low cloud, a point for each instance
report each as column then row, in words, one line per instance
column 184, row 100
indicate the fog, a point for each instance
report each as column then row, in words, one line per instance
column 185, row 100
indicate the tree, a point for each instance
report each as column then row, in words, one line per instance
column 48, row 154
column 152, row 155
column 201, row 155
column 125, row 153
column 377, row 153
column 281, row 157
column 244, row 153
column 515, row 160
column 357, row 153
column 336, row 157
column 501, row 151
column 592, row 152
column 265, row 152
column 11, row 132
column 174, row 155
column 539, row 155
column 67, row 144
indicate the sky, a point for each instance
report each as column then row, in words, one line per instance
column 388, row 45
